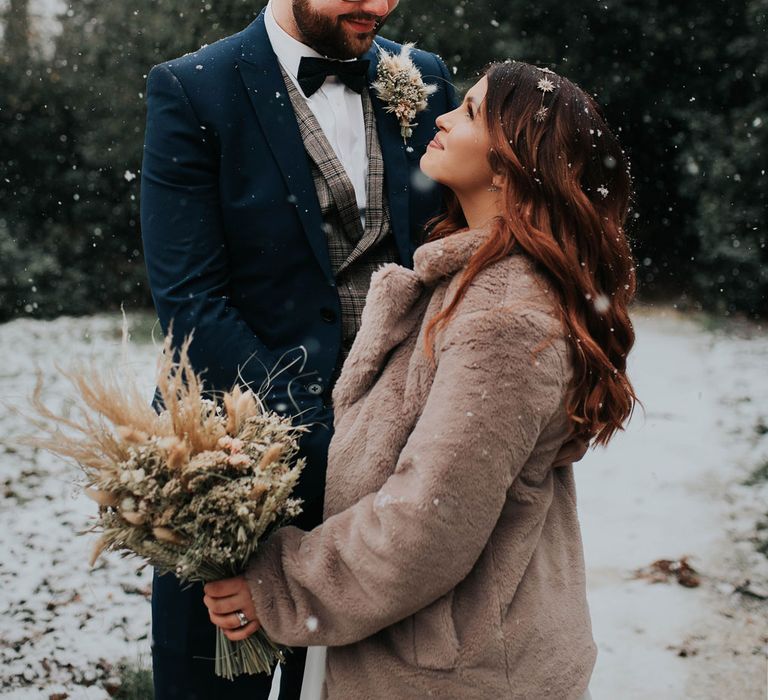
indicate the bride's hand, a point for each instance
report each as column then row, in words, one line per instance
column 229, row 603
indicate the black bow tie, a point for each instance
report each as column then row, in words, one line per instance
column 314, row 71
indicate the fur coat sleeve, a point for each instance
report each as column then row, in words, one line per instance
column 499, row 379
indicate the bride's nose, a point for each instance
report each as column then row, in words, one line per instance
column 441, row 122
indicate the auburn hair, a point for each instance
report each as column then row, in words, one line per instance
column 566, row 192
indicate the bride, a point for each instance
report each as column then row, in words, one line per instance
column 450, row 561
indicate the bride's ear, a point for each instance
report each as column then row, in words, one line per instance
column 495, row 161
column 497, row 183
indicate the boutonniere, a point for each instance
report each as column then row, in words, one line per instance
column 400, row 86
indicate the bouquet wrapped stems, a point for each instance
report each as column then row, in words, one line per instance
column 256, row 654
column 191, row 490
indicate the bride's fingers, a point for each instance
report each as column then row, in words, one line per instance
column 222, row 606
column 229, row 621
column 242, row 632
column 223, row 588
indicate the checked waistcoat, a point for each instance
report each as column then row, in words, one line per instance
column 355, row 252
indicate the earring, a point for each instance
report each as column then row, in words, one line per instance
column 493, row 188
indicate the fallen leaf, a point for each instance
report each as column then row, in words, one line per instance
column 663, row 570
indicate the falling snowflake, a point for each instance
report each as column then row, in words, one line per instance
column 603, row 190
column 602, row 303
column 385, row 499
column 312, row 623
column 129, row 176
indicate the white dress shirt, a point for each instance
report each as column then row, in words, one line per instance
column 338, row 110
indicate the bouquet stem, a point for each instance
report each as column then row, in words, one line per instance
column 256, row 654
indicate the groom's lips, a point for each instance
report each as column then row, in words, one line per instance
column 362, row 26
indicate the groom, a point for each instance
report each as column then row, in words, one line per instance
column 273, row 184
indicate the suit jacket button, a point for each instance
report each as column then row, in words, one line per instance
column 328, row 315
column 315, row 389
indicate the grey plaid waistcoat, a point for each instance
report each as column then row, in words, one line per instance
column 355, row 252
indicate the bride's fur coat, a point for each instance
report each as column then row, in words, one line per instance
column 450, row 561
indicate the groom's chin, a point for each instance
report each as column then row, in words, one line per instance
column 359, row 44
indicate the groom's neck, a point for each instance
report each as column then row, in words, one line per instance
column 283, row 12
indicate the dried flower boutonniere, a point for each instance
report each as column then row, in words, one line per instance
column 399, row 84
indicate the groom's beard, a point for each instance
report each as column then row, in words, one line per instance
column 333, row 37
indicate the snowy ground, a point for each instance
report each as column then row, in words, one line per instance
column 668, row 487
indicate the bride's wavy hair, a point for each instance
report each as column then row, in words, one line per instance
column 566, row 197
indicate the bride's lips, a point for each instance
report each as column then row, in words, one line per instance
column 363, row 26
column 435, row 143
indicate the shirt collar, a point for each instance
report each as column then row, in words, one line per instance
column 288, row 50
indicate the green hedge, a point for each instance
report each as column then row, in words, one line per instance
column 685, row 84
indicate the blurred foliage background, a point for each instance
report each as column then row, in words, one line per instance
column 685, row 84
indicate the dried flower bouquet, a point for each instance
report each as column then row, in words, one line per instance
column 191, row 490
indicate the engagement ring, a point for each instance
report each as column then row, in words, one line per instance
column 243, row 619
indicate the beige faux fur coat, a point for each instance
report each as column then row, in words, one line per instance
column 450, row 562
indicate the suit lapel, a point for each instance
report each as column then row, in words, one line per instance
column 260, row 72
column 396, row 170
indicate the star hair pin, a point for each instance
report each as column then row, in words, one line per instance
column 546, row 86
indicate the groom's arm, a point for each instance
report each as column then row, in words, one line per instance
column 186, row 254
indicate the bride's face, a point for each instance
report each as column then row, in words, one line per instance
column 458, row 155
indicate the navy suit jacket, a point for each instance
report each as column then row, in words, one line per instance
column 232, row 229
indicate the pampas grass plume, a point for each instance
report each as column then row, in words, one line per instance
column 165, row 534
column 103, row 498
column 134, row 518
column 272, row 454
